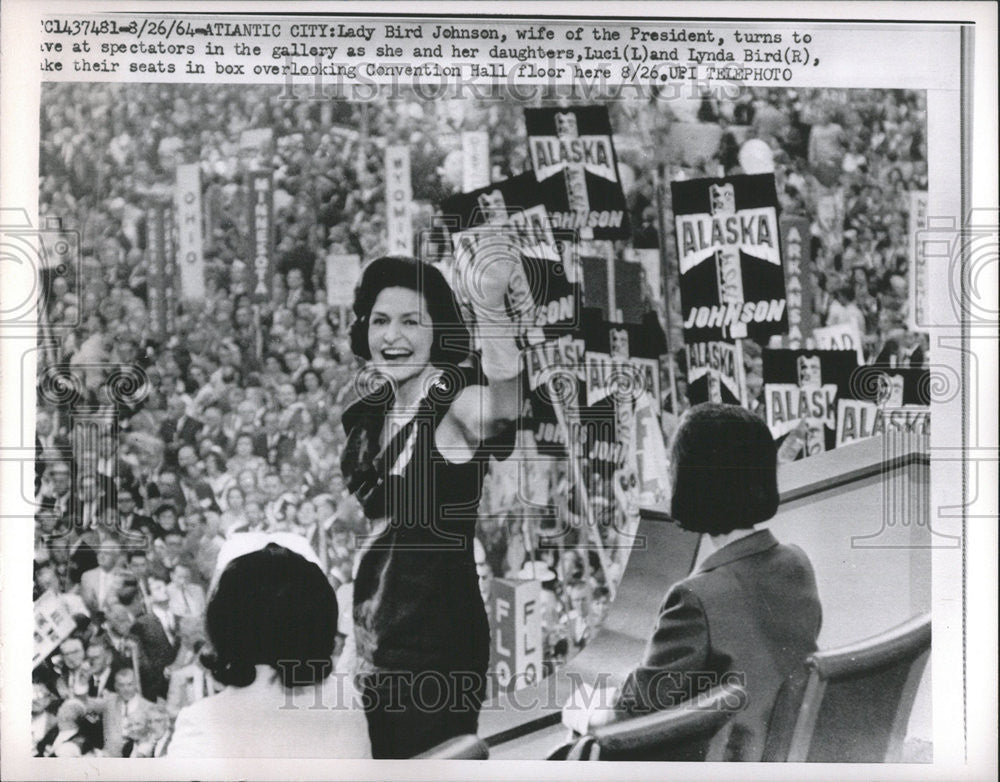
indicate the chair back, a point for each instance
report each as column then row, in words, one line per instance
column 467, row 747
column 854, row 702
column 682, row 733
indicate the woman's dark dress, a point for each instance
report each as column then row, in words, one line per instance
column 420, row 625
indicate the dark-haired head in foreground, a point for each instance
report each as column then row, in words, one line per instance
column 724, row 470
column 271, row 607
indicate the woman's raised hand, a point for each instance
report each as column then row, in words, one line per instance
column 490, row 276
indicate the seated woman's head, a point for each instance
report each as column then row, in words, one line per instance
column 272, row 606
column 723, row 470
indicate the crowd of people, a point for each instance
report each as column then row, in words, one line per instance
column 232, row 422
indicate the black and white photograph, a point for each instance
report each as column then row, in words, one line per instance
column 495, row 385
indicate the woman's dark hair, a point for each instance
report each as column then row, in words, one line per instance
column 724, row 469
column 218, row 458
column 272, row 607
column 451, row 343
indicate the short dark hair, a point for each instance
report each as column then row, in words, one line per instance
column 163, row 508
column 724, row 470
column 451, row 343
column 272, row 607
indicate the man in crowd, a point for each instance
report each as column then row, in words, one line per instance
column 127, row 702
column 118, row 632
column 156, row 635
column 97, row 586
column 197, row 492
column 101, row 668
column 58, row 497
column 274, row 444
column 187, row 599
column 71, row 675
column 131, row 520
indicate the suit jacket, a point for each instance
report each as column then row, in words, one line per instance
column 83, row 556
column 282, row 449
column 203, row 495
column 101, row 686
column 749, row 614
column 156, row 652
column 184, row 430
column 189, row 602
column 114, row 723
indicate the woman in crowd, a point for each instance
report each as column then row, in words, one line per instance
column 216, row 476
column 272, row 624
column 415, row 453
column 750, row 610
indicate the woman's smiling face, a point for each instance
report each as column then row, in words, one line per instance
column 400, row 334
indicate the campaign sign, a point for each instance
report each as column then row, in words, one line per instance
column 260, row 185
column 53, row 625
column 715, row 373
column 796, row 252
column 342, row 273
column 885, row 399
column 516, row 627
column 614, row 285
column 475, row 159
column 622, row 359
column 398, row 198
column 170, row 280
column 572, row 148
column 841, row 336
column 728, row 249
column 156, row 267
column 803, row 387
column 187, row 205
column 551, row 348
column 916, row 317
column 651, row 454
column 622, row 368
column 514, row 205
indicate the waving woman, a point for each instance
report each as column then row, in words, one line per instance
column 418, row 444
